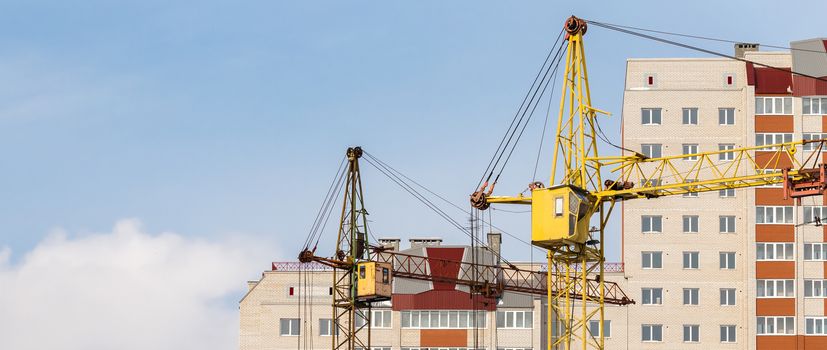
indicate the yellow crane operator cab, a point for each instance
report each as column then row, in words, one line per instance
column 373, row 281
column 560, row 215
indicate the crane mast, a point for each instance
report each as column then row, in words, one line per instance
column 562, row 215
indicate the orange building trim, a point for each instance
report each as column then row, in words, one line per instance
column 774, row 233
column 775, row 306
column 813, row 342
column 771, row 196
column 773, row 123
column 443, row 337
column 773, row 160
column 775, row 269
column 775, row 342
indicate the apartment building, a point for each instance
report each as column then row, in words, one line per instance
column 290, row 308
column 735, row 269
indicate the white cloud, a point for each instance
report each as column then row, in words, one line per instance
column 127, row 290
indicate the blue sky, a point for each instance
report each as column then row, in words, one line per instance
column 217, row 118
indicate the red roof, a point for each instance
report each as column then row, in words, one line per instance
column 773, row 81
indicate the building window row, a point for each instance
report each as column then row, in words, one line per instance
column 813, row 214
column 689, row 116
column 654, row 260
column 815, row 251
column 594, row 328
column 443, row 319
column 774, row 105
column 814, row 105
column 774, row 251
column 654, row 223
column 775, row 325
column 815, row 325
column 691, row 333
column 515, row 319
column 765, row 139
column 774, row 215
column 782, row 288
column 815, row 288
column 691, row 296
column 655, row 150
column 809, row 136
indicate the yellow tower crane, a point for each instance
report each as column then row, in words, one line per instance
column 562, row 214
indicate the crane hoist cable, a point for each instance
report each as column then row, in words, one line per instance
column 428, row 203
column 512, row 127
column 707, row 38
column 463, row 210
column 699, row 49
column 553, row 78
column 325, row 209
column 535, row 99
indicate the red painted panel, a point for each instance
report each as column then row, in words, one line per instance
column 750, row 74
column 805, row 86
column 442, row 268
column 442, row 300
column 772, row 81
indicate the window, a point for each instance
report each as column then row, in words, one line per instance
column 326, row 327
column 690, row 148
column 460, row 319
column 774, row 215
column 815, row 251
column 726, row 156
column 726, row 260
column 729, row 79
column 773, row 105
column 763, row 139
column 651, row 332
column 381, row 319
column 594, row 328
column 768, row 325
column 652, row 296
column 815, row 325
column 726, row 116
column 726, row 193
column 289, row 327
column 812, row 146
column 813, row 214
column 291, row 291
column 690, row 224
column 514, row 319
column 690, row 116
column 690, row 188
column 652, row 182
column 815, row 288
column 774, row 251
column 651, row 150
column 726, row 224
column 651, row 223
column 727, row 333
column 652, row 260
column 690, row 260
column 775, row 289
column 727, row 296
column 690, row 333
column 650, row 116
column 650, row 80
column 359, row 319
column 558, row 206
column 814, row 105
column 690, row 296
